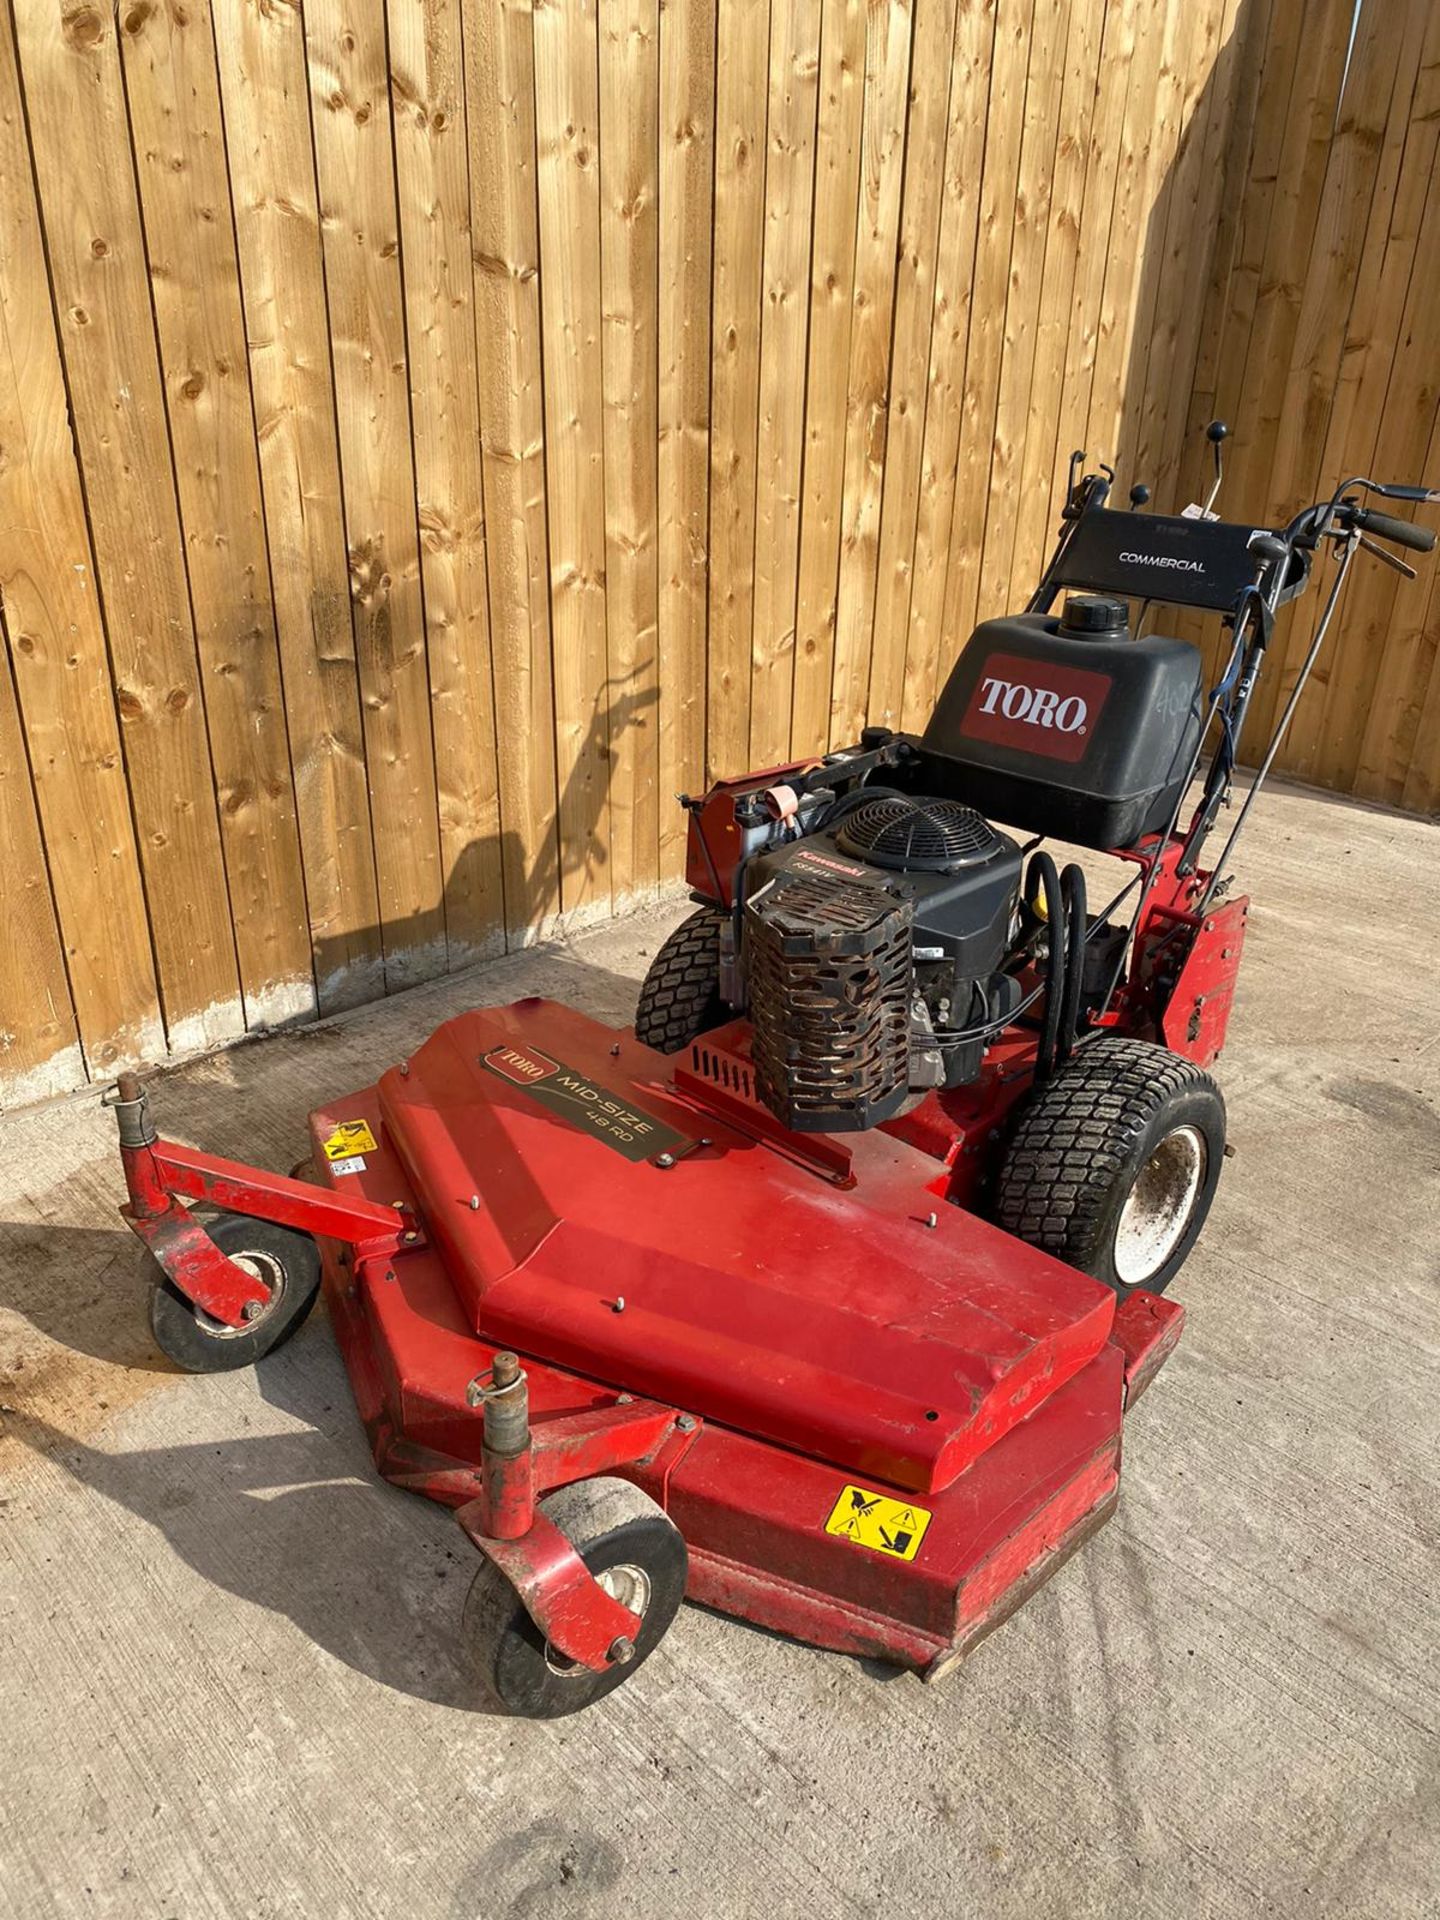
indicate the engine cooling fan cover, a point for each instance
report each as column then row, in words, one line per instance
column 918, row 836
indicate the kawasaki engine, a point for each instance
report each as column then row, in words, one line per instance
column 871, row 955
column 871, row 919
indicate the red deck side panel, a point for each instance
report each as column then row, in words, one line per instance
column 755, row 1292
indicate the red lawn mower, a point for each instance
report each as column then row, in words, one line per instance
column 821, row 1295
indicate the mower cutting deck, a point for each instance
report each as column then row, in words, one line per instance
column 876, row 1421
column 822, row 1294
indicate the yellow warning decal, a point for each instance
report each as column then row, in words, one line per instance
column 876, row 1521
column 351, row 1136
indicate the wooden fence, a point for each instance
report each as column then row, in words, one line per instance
column 435, row 432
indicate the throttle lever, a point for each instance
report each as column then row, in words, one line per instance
column 1390, row 559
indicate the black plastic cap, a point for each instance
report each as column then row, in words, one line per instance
column 1093, row 613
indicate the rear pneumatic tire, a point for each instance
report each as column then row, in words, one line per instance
column 1114, row 1163
column 285, row 1262
column 638, row 1555
column 680, row 997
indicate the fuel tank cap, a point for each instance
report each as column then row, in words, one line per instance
column 1094, row 613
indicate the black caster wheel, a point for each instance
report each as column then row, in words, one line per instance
column 287, row 1263
column 635, row 1552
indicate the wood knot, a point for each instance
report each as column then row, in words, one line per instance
column 84, row 29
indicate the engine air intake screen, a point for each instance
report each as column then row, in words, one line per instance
column 918, row 836
column 829, row 970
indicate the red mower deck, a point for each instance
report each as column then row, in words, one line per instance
column 877, row 1421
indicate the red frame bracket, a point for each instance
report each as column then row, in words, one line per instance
column 162, row 1172
column 559, row 1592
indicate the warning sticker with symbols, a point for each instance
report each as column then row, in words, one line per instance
column 350, row 1137
column 876, row 1521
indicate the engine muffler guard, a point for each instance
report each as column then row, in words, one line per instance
column 877, row 1421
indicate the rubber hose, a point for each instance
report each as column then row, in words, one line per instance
column 1042, row 877
column 1072, row 888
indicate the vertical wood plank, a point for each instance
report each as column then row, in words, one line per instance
column 1300, row 174
column 567, row 111
column 39, row 1044
column 1112, row 93
column 1170, row 248
column 427, row 96
column 1146, row 130
column 1015, row 396
column 1370, row 681
column 1421, row 790
column 500, row 101
column 789, row 190
column 740, row 137
column 265, row 100
column 629, row 132
column 359, row 224
column 910, row 352
column 687, row 159
column 975, row 30
column 1195, row 210
column 57, row 643
column 71, row 74
column 179, row 141
column 1377, row 182
column 998, row 192
column 1030, row 505
column 882, row 163
column 832, row 287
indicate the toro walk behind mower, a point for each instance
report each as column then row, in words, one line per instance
column 820, row 1296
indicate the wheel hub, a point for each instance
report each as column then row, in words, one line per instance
column 631, row 1587
column 263, row 1267
column 1159, row 1206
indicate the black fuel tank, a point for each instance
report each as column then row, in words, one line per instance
column 1068, row 726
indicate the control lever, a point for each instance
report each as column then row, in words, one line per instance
column 1216, row 433
column 1390, row 559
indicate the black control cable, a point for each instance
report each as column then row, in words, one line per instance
column 1072, row 892
column 1042, row 882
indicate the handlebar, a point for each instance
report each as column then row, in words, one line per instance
column 1384, row 526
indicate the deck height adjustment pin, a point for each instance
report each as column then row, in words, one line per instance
column 504, row 1393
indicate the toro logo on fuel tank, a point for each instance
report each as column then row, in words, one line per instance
column 1035, row 705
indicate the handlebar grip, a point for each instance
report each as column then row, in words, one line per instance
column 1403, row 532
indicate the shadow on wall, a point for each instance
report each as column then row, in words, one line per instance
column 511, row 889
column 1139, row 411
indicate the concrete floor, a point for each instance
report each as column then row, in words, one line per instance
column 228, row 1677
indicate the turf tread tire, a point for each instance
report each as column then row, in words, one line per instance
column 1081, row 1140
column 680, row 997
